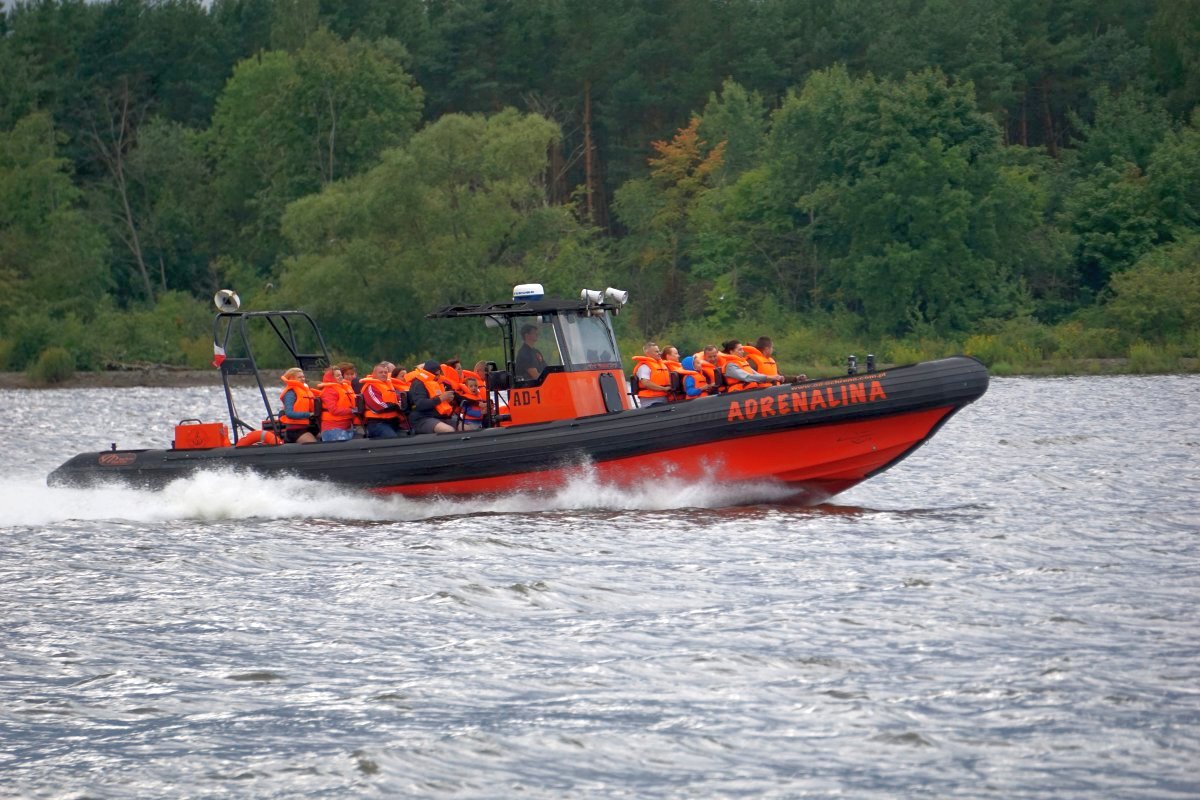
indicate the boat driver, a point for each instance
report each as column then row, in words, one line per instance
column 530, row 362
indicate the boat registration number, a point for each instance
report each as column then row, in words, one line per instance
column 525, row 397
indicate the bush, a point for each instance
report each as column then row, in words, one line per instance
column 1145, row 359
column 1079, row 340
column 53, row 365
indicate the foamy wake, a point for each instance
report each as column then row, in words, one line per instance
column 224, row 496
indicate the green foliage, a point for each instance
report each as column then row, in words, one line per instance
column 933, row 169
column 286, row 125
column 1147, row 358
column 1159, row 297
column 1114, row 216
column 54, row 365
column 457, row 215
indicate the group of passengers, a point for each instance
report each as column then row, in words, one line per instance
column 661, row 377
column 388, row 403
column 444, row 398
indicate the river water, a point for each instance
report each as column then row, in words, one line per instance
column 1009, row 613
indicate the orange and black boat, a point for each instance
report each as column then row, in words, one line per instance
column 816, row 438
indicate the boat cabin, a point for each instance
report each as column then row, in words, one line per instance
column 577, row 371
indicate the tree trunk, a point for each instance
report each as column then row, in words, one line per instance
column 1048, row 120
column 588, row 179
column 112, row 150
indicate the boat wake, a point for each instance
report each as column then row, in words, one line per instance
column 222, row 496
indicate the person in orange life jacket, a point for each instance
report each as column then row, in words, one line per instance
column 762, row 358
column 671, row 359
column 381, row 403
column 530, row 361
column 337, row 407
column 470, row 403
column 695, row 381
column 737, row 370
column 431, row 410
column 706, row 362
column 350, row 374
column 298, row 407
column 652, row 376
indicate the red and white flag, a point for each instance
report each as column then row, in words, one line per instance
column 218, row 355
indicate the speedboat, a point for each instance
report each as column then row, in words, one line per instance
column 813, row 438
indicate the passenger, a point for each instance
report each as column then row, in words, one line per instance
column 530, row 362
column 762, row 357
column 651, row 376
column 350, row 375
column 696, row 382
column 738, row 373
column 671, row 359
column 381, row 403
column 298, row 400
column 471, row 400
column 431, row 410
column 337, row 407
column 706, row 362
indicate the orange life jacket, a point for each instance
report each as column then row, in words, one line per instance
column 761, row 363
column 400, row 383
column 450, row 378
column 387, row 393
column 709, row 370
column 304, row 403
column 433, row 387
column 733, row 384
column 471, row 404
column 659, row 373
column 346, row 401
column 675, row 366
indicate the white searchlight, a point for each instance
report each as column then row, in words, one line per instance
column 227, row 301
column 593, row 297
column 618, row 296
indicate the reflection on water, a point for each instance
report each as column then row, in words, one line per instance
column 1009, row 612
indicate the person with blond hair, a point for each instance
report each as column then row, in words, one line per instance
column 299, row 408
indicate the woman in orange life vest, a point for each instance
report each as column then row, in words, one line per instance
column 431, row 410
column 298, row 406
column 337, row 407
column 381, row 403
column 738, row 373
column 671, row 359
column 652, row 376
column 350, row 376
column 762, row 358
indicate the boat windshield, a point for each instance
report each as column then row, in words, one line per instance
column 588, row 341
column 536, row 334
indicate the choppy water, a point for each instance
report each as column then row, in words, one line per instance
column 1010, row 613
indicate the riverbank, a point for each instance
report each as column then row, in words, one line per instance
column 150, row 376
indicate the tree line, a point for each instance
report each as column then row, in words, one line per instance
column 1016, row 178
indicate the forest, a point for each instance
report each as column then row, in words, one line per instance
column 1014, row 179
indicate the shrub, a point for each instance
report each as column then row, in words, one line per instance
column 53, row 365
column 1146, row 358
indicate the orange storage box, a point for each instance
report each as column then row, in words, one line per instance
column 192, row 434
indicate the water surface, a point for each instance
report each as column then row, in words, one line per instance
column 1011, row 612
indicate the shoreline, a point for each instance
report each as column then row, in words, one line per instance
column 166, row 377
